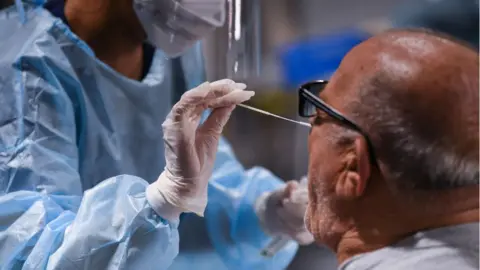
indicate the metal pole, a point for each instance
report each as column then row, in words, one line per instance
column 243, row 55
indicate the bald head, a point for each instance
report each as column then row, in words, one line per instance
column 416, row 94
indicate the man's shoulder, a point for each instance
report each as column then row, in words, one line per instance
column 438, row 259
column 443, row 257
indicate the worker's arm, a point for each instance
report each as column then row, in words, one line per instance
column 232, row 223
column 46, row 220
column 234, row 228
column 115, row 226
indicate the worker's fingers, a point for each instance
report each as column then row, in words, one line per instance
column 222, row 88
column 223, row 82
column 221, row 96
column 196, row 94
column 232, row 98
column 216, row 121
column 210, row 95
column 188, row 102
column 303, row 238
column 289, row 189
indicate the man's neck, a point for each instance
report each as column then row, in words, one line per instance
column 112, row 40
column 383, row 232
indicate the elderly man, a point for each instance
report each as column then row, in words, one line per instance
column 393, row 173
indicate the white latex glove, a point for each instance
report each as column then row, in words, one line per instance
column 190, row 150
column 282, row 212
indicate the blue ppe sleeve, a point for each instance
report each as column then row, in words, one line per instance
column 46, row 220
column 232, row 223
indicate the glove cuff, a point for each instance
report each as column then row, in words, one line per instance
column 172, row 191
column 160, row 205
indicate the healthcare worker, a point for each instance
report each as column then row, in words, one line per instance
column 83, row 99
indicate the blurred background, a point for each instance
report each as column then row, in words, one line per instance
column 275, row 45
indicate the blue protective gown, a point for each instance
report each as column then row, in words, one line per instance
column 79, row 143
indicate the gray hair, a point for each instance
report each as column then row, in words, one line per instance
column 416, row 150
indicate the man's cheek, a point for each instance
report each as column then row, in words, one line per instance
column 314, row 139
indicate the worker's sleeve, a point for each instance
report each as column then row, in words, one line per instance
column 46, row 220
column 233, row 226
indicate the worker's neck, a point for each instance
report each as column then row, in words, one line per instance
column 374, row 231
column 109, row 37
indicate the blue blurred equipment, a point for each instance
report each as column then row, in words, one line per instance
column 79, row 144
column 319, row 57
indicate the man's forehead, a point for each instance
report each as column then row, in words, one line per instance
column 385, row 55
column 341, row 86
column 356, row 64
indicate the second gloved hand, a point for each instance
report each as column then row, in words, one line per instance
column 190, row 148
column 282, row 212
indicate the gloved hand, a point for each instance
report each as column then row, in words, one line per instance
column 282, row 212
column 190, row 150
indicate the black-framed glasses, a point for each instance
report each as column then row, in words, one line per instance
column 309, row 102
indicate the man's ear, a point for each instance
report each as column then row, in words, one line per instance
column 353, row 180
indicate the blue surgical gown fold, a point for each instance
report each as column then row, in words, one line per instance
column 79, row 143
column 232, row 195
column 50, row 218
column 113, row 228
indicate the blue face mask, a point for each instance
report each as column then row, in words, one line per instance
column 175, row 25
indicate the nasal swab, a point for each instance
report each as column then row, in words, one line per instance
column 274, row 115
